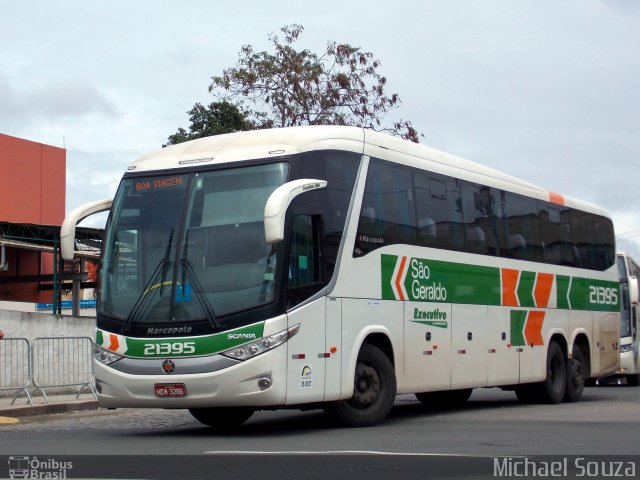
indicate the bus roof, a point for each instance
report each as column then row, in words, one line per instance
column 258, row 144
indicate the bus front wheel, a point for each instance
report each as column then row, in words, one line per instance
column 222, row 418
column 374, row 391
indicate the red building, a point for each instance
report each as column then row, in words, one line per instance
column 32, row 208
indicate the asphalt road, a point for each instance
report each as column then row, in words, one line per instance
column 414, row 442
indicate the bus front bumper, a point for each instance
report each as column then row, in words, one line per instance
column 628, row 363
column 259, row 381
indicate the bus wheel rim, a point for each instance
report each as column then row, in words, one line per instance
column 367, row 385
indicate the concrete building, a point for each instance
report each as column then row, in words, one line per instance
column 32, row 208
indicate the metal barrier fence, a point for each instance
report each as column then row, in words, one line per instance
column 49, row 362
column 15, row 366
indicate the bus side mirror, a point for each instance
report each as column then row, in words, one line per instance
column 68, row 229
column 276, row 207
column 633, row 290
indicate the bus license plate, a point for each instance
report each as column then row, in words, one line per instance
column 170, row 390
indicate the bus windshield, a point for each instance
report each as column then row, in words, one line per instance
column 189, row 247
column 625, row 306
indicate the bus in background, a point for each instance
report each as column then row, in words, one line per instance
column 336, row 267
column 629, row 272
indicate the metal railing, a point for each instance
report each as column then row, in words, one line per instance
column 15, row 367
column 48, row 362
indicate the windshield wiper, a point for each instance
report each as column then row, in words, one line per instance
column 143, row 301
column 187, row 270
column 188, row 273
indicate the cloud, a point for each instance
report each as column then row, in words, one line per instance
column 545, row 90
column 94, row 175
column 53, row 102
column 65, row 100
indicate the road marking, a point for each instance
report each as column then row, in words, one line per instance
column 8, row 420
column 347, row 452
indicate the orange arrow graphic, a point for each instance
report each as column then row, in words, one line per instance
column 113, row 346
column 509, row 286
column 542, row 290
column 533, row 328
column 399, row 276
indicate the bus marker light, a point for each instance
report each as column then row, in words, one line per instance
column 333, row 349
column 435, row 347
column 427, row 352
column 298, row 356
column 324, row 355
column 461, row 352
column 195, row 160
column 492, row 350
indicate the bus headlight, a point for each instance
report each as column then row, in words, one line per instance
column 105, row 356
column 626, row 348
column 249, row 350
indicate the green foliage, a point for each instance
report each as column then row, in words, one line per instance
column 290, row 87
column 217, row 118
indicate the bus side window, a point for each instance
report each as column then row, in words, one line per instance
column 479, row 222
column 439, row 216
column 388, row 213
column 522, row 227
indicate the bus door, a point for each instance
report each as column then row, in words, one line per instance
column 305, row 355
column 315, row 354
column 307, row 349
column 635, row 324
column 635, row 313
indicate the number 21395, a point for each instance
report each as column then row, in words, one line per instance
column 184, row 348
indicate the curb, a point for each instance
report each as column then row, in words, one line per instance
column 31, row 410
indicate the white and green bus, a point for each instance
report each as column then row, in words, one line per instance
column 629, row 272
column 335, row 268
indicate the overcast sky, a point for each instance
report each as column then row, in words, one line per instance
column 544, row 90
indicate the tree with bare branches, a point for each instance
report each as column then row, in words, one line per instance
column 288, row 87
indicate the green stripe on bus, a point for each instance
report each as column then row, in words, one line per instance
column 388, row 265
column 191, row 346
column 436, row 281
column 562, row 291
column 423, row 280
column 525, row 289
column 596, row 295
column 518, row 319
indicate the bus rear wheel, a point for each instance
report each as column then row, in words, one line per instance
column 576, row 375
column 374, row 391
column 222, row 418
column 553, row 388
